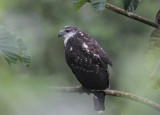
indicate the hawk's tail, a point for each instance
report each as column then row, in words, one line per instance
column 99, row 98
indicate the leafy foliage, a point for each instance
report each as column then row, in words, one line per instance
column 98, row 5
column 153, row 57
column 23, row 56
column 130, row 5
column 79, row 4
column 13, row 48
column 25, row 93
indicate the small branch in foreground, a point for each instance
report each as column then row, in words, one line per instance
column 111, row 93
column 132, row 15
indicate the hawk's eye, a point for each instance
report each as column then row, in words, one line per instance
column 67, row 31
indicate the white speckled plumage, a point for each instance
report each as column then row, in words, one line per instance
column 67, row 37
column 88, row 62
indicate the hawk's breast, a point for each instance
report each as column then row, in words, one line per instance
column 85, row 66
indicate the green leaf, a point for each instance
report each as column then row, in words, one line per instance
column 24, row 56
column 12, row 48
column 130, row 5
column 79, row 4
column 98, row 5
column 152, row 57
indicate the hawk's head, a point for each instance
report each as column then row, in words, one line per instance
column 67, row 31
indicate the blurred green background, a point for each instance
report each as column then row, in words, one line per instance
column 25, row 91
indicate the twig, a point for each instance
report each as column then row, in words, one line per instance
column 132, row 15
column 111, row 93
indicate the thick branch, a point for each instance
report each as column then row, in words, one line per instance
column 112, row 93
column 132, row 15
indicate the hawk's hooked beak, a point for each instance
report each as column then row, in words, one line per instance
column 60, row 34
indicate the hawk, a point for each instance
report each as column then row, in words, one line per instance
column 88, row 62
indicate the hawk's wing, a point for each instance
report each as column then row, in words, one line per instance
column 97, row 53
column 88, row 62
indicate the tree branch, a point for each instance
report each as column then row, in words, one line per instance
column 111, row 93
column 132, row 15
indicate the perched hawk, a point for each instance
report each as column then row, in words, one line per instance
column 88, row 62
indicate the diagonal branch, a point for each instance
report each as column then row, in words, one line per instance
column 111, row 93
column 132, row 15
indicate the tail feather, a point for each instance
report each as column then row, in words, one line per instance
column 99, row 98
